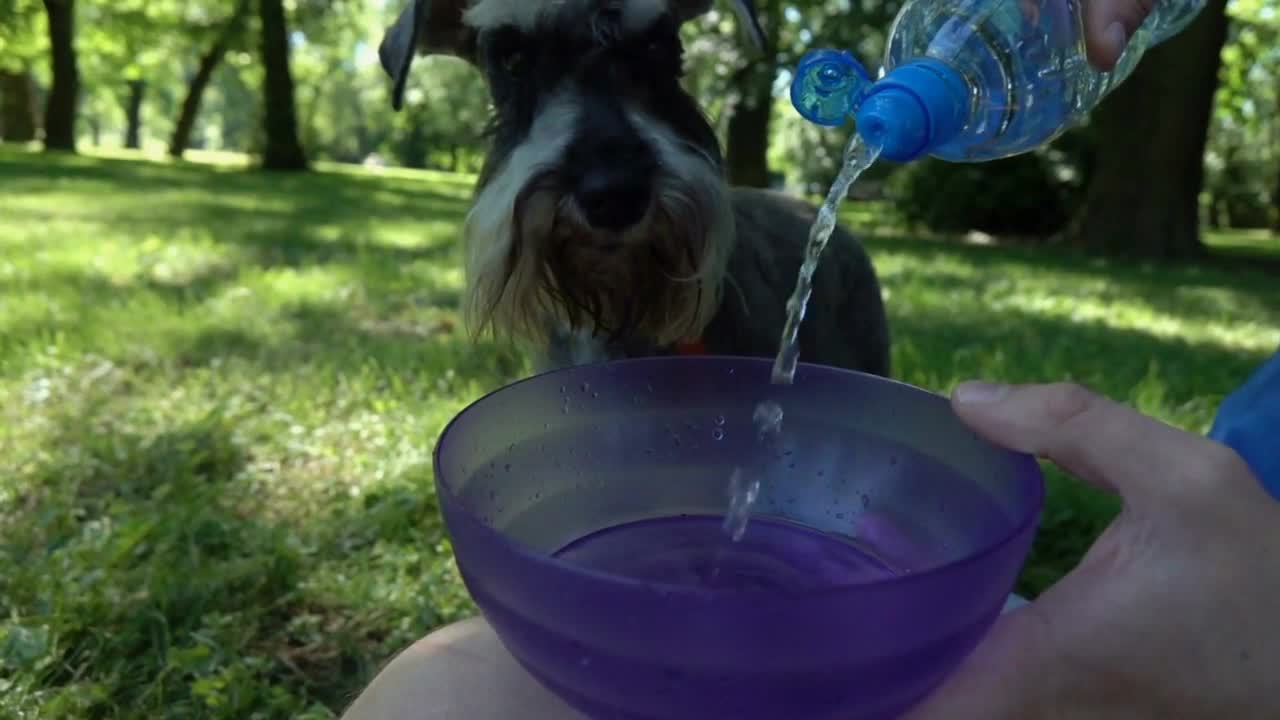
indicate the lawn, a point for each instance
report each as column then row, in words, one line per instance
column 221, row 390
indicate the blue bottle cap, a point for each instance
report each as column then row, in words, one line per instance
column 914, row 109
column 828, row 87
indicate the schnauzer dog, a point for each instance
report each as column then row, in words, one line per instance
column 602, row 225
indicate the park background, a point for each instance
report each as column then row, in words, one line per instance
column 229, row 279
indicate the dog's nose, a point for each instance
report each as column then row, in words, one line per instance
column 614, row 196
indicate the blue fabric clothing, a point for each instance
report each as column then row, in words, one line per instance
column 1248, row 421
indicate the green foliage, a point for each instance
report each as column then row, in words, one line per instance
column 444, row 119
column 23, row 34
column 1023, row 196
column 221, row 391
column 1242, row 160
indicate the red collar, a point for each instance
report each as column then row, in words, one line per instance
column 692, row 347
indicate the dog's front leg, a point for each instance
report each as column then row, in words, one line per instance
column 567, row 348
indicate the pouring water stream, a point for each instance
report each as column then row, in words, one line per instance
column 745, row 488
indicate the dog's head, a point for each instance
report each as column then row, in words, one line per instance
column 602, row 203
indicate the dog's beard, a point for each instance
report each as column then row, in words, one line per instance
column 534, row 261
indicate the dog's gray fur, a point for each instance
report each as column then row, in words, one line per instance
column 703, row 261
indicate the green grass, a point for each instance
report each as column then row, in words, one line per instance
column 220, row 390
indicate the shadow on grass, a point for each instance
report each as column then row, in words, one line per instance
column 145, row 578
column 39, row 172
column 329, row 336
column 1191, row 295
column 1025, row 347
column 1156, row 277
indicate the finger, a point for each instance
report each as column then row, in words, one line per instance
column 1096, row 439
column 1010, row 676
column 1108, row 25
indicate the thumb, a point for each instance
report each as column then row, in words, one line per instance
column 1108, row 25
column 1096, row 439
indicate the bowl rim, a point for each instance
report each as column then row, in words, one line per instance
column 1029, row 469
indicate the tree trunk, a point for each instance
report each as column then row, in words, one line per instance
column 133, row 115
column 60, row 111
column 209, row 62
column 747, row 144
column 1275, row 205
column 283, row 151
column 18, row 121
column 1143, row 199
column 747, row 141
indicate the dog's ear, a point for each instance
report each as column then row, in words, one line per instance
column 745, row 9
column 424, row 27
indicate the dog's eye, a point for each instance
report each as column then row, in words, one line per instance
column 661, row 58
column 513, row 63
column 505, row 51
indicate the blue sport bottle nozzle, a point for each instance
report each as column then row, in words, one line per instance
column 917, row 107
column 828, row 87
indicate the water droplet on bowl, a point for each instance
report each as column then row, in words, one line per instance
column 866, row 502
column 586, row 387
column 507, row 467
column 563, row 389
column 718, row 434
column 840, row 516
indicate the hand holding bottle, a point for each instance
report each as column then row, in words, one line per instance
column 1108, row 25
column 979, row 80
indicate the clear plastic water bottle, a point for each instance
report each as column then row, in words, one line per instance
column 974, row 80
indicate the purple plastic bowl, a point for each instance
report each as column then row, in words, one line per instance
column 942, row 521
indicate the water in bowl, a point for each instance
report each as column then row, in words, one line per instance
column 692, row 551
column 858, row 158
